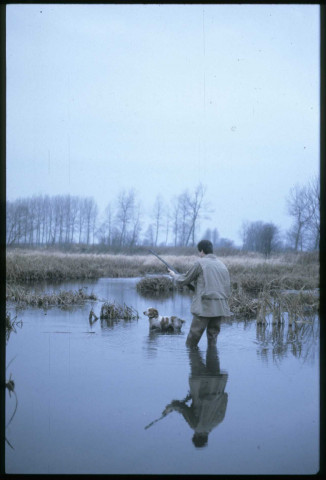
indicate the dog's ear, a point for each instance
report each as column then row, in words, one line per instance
column 154, row 312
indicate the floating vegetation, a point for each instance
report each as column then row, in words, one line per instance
column 149, row 285
column 113, row 310
column 62, row 298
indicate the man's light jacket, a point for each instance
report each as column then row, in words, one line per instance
column 212, row 287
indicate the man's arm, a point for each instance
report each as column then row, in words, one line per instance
column 185, row 278
column 186, row 412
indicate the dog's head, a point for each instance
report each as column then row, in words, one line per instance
column 151, row 312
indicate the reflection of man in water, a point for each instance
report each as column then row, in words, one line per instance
column 209, row 401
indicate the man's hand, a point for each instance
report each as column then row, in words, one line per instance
column 171, row 272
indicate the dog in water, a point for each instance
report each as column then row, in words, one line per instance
column 164, row 324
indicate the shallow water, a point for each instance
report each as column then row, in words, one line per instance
column 86, row 393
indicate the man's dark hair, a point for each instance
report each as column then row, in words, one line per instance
column 206, row 246
column 200, row 439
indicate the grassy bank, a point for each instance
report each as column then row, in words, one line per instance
column 249, row 272
column 24, row 296
column 257, row 283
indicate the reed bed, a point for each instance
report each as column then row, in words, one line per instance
column 63, row 298
column 253, row 277
column 251, row 271
column 155, row 285
column 299, row 306
column 113, row 310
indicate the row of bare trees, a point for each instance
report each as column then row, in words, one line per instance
column 66, row 219
column 51, row 220
column 176, row 222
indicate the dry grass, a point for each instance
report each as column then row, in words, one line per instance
column 252, row 272
column 63, row 298
column 155, row 285
column 299, row 305
column 113, row 310
column 252, row 275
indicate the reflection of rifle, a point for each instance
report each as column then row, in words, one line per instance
column 168, row 409
column 157, row 420
column 191, row 287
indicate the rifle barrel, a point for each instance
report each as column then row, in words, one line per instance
column 163, row 261
column 171, row 268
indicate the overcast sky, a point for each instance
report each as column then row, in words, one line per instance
column 102, row 98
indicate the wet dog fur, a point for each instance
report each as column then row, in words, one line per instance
column 164, row 324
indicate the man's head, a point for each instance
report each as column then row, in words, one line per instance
column 200, row 439
column 205, row 246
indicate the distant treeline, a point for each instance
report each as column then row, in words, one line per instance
column 66, row 221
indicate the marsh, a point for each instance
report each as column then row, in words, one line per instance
column 98, row 398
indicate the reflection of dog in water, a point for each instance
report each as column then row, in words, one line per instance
column 164, row 324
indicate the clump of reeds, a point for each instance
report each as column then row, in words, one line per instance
column 298, row 305
column 113, row 310
column 155, row 285
column 62, row 298
column 248, row 300
column 243, row 305
column 11, row 324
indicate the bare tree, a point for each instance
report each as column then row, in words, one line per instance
column 215, row 237
column 127, row 218
column 302, row 206
column 195, row 204
column 185, row 218
column 313, row 192
column 188, row 209
column 90, row 211
column 149, row 236
column 260, row 237
column 74, row 208
column 135, row 225
column 81, row 219
column 105, row 230
column 167, row 225
column 16, row 213
column 212, row 235
column 175, row 216
column 157, row 215
column 225, row 243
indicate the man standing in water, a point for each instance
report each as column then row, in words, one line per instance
column 212, row 290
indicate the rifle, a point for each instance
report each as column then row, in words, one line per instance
column 191, row 287
column 157, row 420
column 168, row 409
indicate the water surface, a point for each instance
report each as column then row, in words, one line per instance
column 89, row 396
